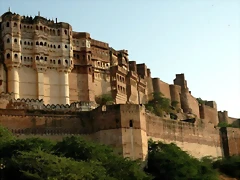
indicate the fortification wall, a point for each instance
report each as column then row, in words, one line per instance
column 164, row 89
column 209, row 114
column 101, row 84
column 193, row 104
column 198, row 141
column 233, row 135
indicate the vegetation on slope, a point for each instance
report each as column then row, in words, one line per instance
column 75, row 158
column 160, row 104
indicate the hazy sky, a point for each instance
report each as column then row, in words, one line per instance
column 200, row 38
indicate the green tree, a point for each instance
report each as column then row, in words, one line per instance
column 167, row 161
column 229, row 166
column 104, row 99
column 115, row 165
column 159, row 104
column 40, row 165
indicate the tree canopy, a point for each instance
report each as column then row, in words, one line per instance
column 75, row 158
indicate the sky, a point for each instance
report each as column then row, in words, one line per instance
column 200, row 38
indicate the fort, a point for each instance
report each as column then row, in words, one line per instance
column 50, row 77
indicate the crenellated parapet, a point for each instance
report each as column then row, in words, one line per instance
column 38, row 104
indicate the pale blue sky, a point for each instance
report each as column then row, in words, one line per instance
column 200, row 38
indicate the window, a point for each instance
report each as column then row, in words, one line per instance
column 36, row 27
column 66, row 46
column 8, row 40
column 41, row 43
column 7, row 24
column 45, row 58
column 65, row 31
column 21, row 57
column 59, row 61
column 59, row 33
column 45, row 44
column 37, row 57
column 89, row 57
column 131, row 123
column 29, row 43
column 59, row 46
column 8, row 56
column 41, row 28
column 15, row 55
column 37, row 43
column 15, row 25
column 25, row 43
column 53, row 32
column 15, row 40
column 41, row 58
column 83, row 57
column 66, row 61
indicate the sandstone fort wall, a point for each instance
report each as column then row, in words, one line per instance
column 198, row 141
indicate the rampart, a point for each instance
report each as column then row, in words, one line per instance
column 199, row 141
column 127, row 128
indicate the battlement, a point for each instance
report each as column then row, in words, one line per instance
column 9, row 16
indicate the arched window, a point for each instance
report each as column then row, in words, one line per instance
column 41, row 58
column 89, row 57
column 59, row 32
column 83, row 57
column 65, row 31
column 21, row 57
column 8, row 56
column 50, row 61
column 59, row 46
column 77, row 56
column 45, row 58
column 15, row 25
column 29, row 43
column 59, row 61
column 37, row 57
column 45, row 44
column 66, row 61
column 7, row 25
column 50, row 46
column 41, row 43
column 66, row 46
column 25, row 43
column 24, row 26
column 53, row 32
column 15, row 55
column 54, row 46
column 36, row 27
column 15, row 40
column 131, row 123
column 27, row 27
column 8, row 40
column 54, row 62
column 37, row 43
column 41, row 28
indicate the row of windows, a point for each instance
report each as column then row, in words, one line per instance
column 38, row 58
column 121, row 89
column 41, row 28
column 83, row 57
column 37, row 43
column 120, row 78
